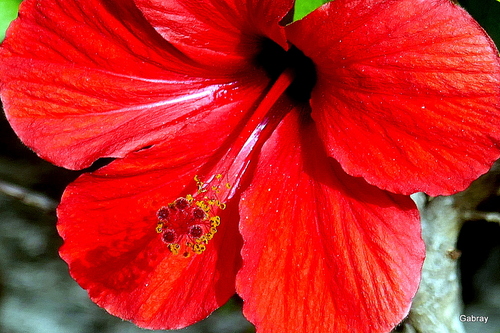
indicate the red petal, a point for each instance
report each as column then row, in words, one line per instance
column 82, row 80
column 107, row 220
column 225, row 30
column 408, row 92
column 323, row 251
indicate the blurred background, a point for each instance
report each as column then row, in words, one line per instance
column 37, row 294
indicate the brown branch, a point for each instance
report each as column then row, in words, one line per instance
column 27, row 196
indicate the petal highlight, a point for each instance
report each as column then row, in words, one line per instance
column 323, row 251
column 410, row 87
column 84, row 80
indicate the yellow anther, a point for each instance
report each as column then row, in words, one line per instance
column 215, row 221
column 213, row 230
column 159, row 227
column 189, row 198
column 228, row 186
column 218, row 176
column 199, row 184
column 203, row 206
column 199, row 248
column 174, row 248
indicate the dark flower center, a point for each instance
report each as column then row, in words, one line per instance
column 274, row 60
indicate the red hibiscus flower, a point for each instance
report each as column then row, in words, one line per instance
column 253, row 156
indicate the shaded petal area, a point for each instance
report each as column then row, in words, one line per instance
column 108, row 219
column 323, row 251
column 408, row 92
column 220, row 34
column 88, row 79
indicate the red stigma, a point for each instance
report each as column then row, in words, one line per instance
column 169, row 236
column 198, row 213
column 196, row 231
column 162, row 213
column 181, row 203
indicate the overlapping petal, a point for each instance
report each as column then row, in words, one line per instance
column 220, row 34
column 96, row 76
column 408, row 92
column 108, row 220
column 323, row 251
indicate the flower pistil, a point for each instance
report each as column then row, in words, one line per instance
column 189, row 223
